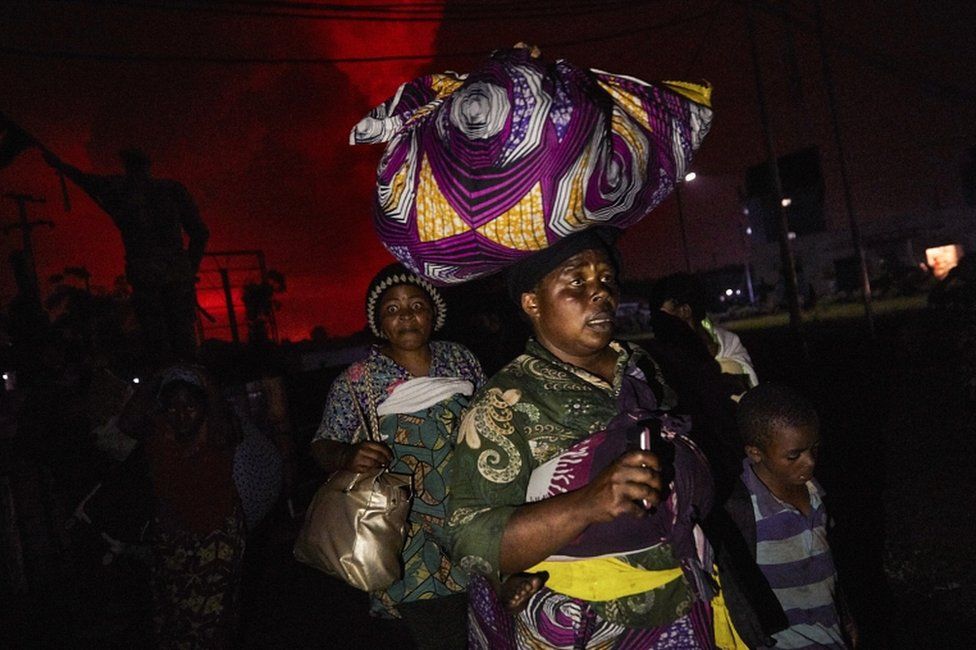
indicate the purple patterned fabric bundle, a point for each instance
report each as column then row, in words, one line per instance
column 483, row 169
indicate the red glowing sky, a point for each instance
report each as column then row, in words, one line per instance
column 263, row 146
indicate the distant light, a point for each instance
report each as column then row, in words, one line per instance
column 745, row 211
column 721, row 298
column 6, row 376
column 135, row 380
column 738, row 292
column 786, row 202
column 728, row 292
column 942, row 259
column 690, row 176
column 791, row 236
column 749, row 230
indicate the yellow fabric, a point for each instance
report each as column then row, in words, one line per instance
column 630, row 103
column 698, row 93
column 726, row 637
column 520, row 228
column 436, row 219
column 599, row 579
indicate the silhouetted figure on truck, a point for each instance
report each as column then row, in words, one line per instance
column 152, row 214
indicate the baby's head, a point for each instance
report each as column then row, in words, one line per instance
column 781, row 432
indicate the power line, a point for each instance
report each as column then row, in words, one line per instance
column 414, row 7
column 706, row 34
column 879, row 60
column 73, row 55
column 314, row 11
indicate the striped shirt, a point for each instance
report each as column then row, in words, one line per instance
column 793, row 554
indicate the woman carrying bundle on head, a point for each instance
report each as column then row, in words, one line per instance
column 568, row 465
column 554, row 472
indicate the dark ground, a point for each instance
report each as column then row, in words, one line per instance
column 899, row 436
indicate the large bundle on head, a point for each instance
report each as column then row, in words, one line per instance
column 481, row 170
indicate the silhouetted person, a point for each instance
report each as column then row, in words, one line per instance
column 152, row 214
column 682, row 295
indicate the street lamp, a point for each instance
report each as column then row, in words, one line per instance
column 690, row 176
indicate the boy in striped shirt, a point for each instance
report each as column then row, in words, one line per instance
column 788, row 527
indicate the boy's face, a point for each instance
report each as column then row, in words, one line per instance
column 788, row 460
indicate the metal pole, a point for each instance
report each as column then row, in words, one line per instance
column 749, row 287
column 845, row 183
column 785, row 250
column 229, row 299
column 272, row 321
column 26, row 227
column 681, row 223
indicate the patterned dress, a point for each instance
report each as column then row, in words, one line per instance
column 422, row 446
column 195, row 582
column 197, row 538
column 532, row 411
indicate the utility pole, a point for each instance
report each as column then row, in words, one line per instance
column 785, row 250
column 26, row 227
column 845, row 183
column 681, row 222
column 229, row 300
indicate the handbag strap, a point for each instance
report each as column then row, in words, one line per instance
column 371, row 425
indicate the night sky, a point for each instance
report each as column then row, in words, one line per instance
column 252, row 111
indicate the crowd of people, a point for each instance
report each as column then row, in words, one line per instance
column 591, row 493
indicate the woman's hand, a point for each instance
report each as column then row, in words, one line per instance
column 365, row 456
column 332, row 455
column 537, row 530
column 629, row 486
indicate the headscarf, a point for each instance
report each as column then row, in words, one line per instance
column 526, row 273
column 194, row 486
column 391, row 276
column 221, row 427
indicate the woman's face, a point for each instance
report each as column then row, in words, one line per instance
column 406, row 316
column 184, row 411
column 573, row 308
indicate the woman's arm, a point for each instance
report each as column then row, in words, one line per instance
column 537, row 530
column 493, row 530
column 333, row 447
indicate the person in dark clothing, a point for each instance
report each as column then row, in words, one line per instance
column 683, row 296
column 708, row 395
column 704, row 392
column 152, row 214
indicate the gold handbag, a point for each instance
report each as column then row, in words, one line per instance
column 356, row 525
column 355, row 528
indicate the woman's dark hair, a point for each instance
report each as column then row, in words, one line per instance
column 768, row 407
